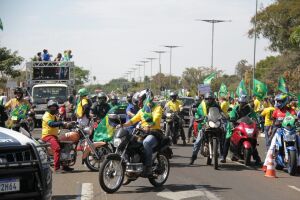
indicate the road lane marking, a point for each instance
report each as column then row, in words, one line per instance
column 294, row 187
column 198, row 192
column 87, row 191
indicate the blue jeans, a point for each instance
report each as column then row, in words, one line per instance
column 197, row 144
column 149, row 143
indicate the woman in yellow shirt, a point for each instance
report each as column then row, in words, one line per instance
column 267, row 113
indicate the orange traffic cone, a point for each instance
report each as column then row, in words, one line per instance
column 264, row 167
column 270, row 173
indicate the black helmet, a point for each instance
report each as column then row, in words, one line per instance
column 102, row 95
column 129, row 97
column 114, row 97
column 173, row 94
column 18, row 90
column 52, row 103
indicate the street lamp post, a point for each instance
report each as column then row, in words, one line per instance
column 159, row 65
column 212, row 21
column 133, row 70
column 254, row 48
column 171, row 47
column 151, row 59
column 144, row 61
column 139, row 65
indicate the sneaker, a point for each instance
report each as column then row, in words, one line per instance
column 183, row 142
column 193, row 158
column 223, row 160
column 67, row 168
column 58, row 171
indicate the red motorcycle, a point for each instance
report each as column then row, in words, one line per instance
column 243, row 141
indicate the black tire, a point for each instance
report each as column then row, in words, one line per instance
column 208, row 159
column 91, row 160
column 247, row 156
column 168, row 130
column 292, row 163
column 165, row 174
column 215, row 153
column 103, row 175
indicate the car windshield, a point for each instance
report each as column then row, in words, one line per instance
column 246, row 120
column 42, row 95
column 187, row 101
column 214, row 114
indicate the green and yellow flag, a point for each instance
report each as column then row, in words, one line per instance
column 241, row 89
column 223, row 91
column 260, row 89
column 209, row 78
column 1, row 25
column 282, row 85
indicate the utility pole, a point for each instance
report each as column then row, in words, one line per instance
column 171, row 47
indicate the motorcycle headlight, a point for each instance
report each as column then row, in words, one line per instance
column 249, row 131
column 117, row 142
column 212, row 124
column 290, row 138
column 168, row 114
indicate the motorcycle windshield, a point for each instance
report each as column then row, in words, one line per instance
column 246, row 120
column 214, row 114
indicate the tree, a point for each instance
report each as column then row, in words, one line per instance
column 241, row 68
column 277, row 22
column 8, row 60
column 81, row 76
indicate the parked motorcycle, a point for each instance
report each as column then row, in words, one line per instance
column 212, row 134
column 68, row 153
column 173, row 121
column 127, row 161
column 243, row 141
column 287, row 148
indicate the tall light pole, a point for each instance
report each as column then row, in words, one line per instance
column 144, row 61
column 151, row 59
column 171, row 47
column 254, row 49
column 133, row 70
column 159, row 65
column 212, row 21
column 139, row 65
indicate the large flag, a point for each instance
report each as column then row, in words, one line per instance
column 282, row 85
column 260, row 89
column 1, row 25
column 241, row 89
column 208, row 79
column 223, row 92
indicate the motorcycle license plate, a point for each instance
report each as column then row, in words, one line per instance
column 9, row 185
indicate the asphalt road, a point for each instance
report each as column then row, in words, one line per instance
column 232, row 181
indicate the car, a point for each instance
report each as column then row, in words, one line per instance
column 187, row 103
column 25, row 170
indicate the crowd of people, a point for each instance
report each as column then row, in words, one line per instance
column 46, row 56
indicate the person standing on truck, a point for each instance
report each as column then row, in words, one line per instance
column 19, row 108
column 83, row 107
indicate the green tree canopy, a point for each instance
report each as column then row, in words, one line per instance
column 81, row 75
column 8, row 60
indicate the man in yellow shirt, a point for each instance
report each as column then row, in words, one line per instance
column 18, row 108
column 176, row 105
column 83, row 107
column 150, row 117
column 224, row 104
column 267, row 113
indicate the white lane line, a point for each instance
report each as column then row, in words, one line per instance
column 87, row 191
column 294, row 187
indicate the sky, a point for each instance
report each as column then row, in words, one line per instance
column 109, row 37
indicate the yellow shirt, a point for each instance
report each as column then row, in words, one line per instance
column 174, row 106
column 16, row 111
column 267, row 113
column 156, row 118
column 13, row 103
column 46, row 129
column 224, row 107
column 256, row 105
column 81, row 104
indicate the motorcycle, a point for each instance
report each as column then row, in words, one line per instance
column 127, row 161
column 212, row 135
column 243, row 141
column 287, row 150
column 173, row 121
column 68, row 152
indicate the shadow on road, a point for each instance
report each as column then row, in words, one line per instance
column 63, row 197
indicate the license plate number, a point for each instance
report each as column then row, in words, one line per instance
column 9, row 185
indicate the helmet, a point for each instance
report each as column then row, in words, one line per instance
column 114, row 97
column 289, row 122
column 135, row 98
column 281, row 100
column 129, row 97
column 209, row 95
column 143, row 95
column 197, row 99
column 102, row 95
column 52, row 103
column 83, row 92
column 173, row 94
column 18, row 90
column 243, row 99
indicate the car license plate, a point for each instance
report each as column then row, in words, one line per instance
column 9, row 185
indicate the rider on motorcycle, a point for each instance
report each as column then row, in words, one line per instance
column 175, row 105
column 101, row 107
column 19, row 107
column 132, row 107
column 150, row 118
column 114, row 101
column 83, row 107
column 241, row 110
column 202, row 111
column 50, row 127
column 192, row 113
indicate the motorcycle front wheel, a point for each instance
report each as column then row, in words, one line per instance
column 91, row 160
column 111, row 175
column 161, row 171
column 247, row 156
column 216, row 154
column 292, row 163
